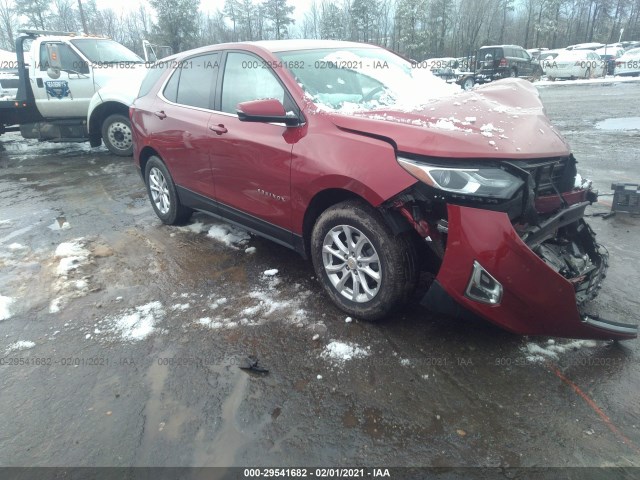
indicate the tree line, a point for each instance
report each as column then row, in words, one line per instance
column 418, row 29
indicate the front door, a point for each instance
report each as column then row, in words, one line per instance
column 70, row 94
column 251, row 162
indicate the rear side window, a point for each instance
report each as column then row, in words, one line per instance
column 193, row 82
column 171, row 88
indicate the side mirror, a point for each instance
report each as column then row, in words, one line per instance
column 55, row 64
column 268, row 110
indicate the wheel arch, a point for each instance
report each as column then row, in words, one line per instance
column 99, row 114
column 321, row 201
column 145, row 154
column 329, row 197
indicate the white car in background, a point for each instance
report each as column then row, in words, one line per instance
column 609, row 54
column 629, row 63
column 575, row 64
column 547, row 57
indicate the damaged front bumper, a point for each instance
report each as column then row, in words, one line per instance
column 489, row 270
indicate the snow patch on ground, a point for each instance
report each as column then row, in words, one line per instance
column 552, row 350
column 19, row 346
column 217, row 303
column 271, row 272
column 180, row 306
column 137, row 323
column 197, row 227
column 72, row 256
column 229, row 235
column 608, row 79
column 340, row 352
column 217, row 323
column 5, row 307
column 16, row 246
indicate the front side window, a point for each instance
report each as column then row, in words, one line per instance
column 70, row 60
column 246, row 78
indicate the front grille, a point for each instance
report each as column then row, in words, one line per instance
column 550, row 175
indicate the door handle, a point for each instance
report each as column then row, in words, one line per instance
column 219, row 129
column 161, row 115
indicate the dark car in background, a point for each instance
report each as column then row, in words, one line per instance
column 502, row 61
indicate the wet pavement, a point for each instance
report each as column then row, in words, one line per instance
column 121, row 338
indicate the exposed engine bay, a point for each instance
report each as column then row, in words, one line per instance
column 547, row 213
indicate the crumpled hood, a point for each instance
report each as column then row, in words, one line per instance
column 504, row 119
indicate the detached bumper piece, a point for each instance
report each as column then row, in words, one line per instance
column 531, row 288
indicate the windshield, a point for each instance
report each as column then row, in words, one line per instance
column 105, row 51
column 352, row 79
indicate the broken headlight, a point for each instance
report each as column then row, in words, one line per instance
column 482, row 181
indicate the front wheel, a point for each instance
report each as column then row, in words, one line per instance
column 362, row 266
column 468, row 83
column 117, row 136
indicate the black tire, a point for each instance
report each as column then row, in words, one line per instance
column 513, row 73
column 587, row 74
column 397, row 265
column 117, row 136
column 165, row 202
column 467, row 83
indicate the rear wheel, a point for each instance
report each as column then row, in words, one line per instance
column 162, row 193
column 467, row 83
column 513, row 73
column 365, row 269
column 117, row 136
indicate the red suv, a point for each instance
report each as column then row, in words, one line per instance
column 347, row 154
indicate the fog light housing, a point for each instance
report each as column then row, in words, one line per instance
column 482, row 287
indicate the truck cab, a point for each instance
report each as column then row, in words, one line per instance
column 66, row 80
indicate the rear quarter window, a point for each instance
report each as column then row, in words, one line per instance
column 153, row 75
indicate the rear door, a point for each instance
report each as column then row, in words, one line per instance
column 251, row 162
column 180, row 128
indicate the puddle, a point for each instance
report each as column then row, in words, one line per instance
column 623, row 123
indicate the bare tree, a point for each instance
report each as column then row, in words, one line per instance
column 8, row 21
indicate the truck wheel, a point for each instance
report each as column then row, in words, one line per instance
column 162, row 193
column 116, row 133
column 362, row 266
column 467, row 84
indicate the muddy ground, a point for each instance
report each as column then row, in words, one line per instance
column 121, row 347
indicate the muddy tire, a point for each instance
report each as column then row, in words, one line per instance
column 117, row 136
column 363, row 267
column 163, row 194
